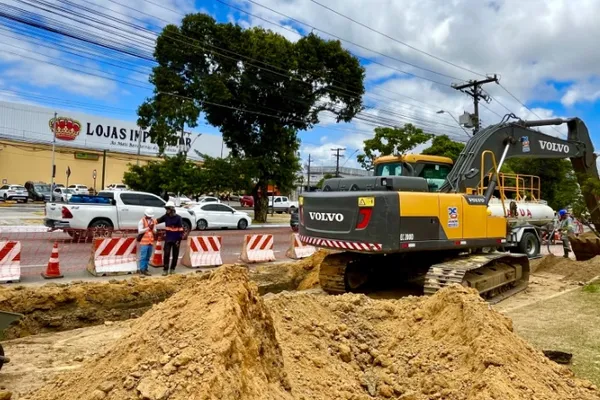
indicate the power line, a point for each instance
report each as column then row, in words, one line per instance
column 396, row 40
column 337, row 159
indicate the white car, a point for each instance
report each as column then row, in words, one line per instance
column 208, row 199
column 79, row 189
column 62, row 194
column 117, row 186
column 14, row 192
column 180, row 200
column 282, row 204
column 217, row 215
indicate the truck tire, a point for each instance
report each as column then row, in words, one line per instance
column 101, row 228
column 529, row 244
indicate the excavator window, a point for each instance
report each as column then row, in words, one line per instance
column 389, row 169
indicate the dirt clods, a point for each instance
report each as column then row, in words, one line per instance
column 575, row 271
column 220, row 339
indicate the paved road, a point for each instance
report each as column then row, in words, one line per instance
column 37, row 247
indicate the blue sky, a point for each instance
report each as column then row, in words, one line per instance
column 542, row 50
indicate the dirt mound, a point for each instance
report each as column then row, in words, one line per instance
column 576, row 271
column 209, row 341
column 58, row 307
column 449, row 346
column 295, row 275
column 219, row 339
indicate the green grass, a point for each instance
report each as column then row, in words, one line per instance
column 568, row 323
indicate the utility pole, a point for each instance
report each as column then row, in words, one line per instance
column 308, row 175
column 337, row 160
column 476, row 93
column 53, row 153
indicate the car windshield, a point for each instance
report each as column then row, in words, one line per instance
column 69, row 191
column 41, row 188
column 17, row 187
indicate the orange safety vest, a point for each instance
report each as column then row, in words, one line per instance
column 148, row 237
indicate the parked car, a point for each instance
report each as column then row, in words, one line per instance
column 62, row 194
column 183, row 200
column 207, row 199
column 117, row 186
column 217, row 215
column 38, row 191
column 14, row 192
column 282, row 204
column 118, row 210
column 247, row 201
column 79, row 189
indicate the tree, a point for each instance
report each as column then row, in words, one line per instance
column 443, row 146
column 259, row 88
column 391, row 141
column 319, row 184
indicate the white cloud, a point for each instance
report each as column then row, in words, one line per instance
column 588, row 91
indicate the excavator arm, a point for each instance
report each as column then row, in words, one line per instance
column 518, row 139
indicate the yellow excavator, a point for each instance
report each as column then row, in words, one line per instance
column 422, row 213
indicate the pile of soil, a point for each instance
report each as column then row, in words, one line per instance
column 58, row 307
column 208, row 341
column 294, row 275
column 575, row 271
column 221, row 340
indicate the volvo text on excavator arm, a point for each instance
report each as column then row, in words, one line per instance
column 396, row 221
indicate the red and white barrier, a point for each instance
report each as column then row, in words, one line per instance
column 10, row 261
column 298, row 249
column 113, row 256
column 203, row 251
column 258, row 248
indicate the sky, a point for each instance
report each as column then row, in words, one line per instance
column 413, row 51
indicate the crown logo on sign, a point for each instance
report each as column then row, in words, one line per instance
column 66, row 128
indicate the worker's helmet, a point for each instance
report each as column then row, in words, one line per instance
column 170, row 204
column 148, row 212
column 562, row 213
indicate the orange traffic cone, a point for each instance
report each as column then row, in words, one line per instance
column 53, row 270
column 157, row 256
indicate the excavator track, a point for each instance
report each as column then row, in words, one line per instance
column 338, row 274
column 495, row 276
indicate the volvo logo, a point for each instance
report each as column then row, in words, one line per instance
column 556, row 147
column 321, row 216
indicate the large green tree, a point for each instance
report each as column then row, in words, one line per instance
column 391, row 141
column 259, row 88
column 443, row 146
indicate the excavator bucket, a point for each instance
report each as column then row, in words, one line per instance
column 585, row 246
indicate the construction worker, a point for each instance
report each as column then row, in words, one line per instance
column 147, row 230
column 174, row 227
column 566, row 227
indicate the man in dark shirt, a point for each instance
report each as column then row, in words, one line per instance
column 174, row 234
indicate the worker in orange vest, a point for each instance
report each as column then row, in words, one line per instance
column 146, row 237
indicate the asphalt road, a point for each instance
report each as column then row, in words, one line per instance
column 74, row 257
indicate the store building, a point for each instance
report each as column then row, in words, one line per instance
column 84, row 144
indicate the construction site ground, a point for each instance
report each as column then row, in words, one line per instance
column 106, row 329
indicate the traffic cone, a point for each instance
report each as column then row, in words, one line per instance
column 53, row 270
column 157, row 256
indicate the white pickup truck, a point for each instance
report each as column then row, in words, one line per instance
column 282, row 204
column 121, row 210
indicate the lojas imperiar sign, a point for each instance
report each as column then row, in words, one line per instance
column 126, row 139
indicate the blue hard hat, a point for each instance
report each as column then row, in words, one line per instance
column 562, row 212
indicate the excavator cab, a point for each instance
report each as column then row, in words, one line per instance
column 434, row 169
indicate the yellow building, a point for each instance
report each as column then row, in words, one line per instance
column 84, row 144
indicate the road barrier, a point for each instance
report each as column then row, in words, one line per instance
column 113, row 256
column 298, row 249
column 10, row 261
column 258, row 248
column 203, row 251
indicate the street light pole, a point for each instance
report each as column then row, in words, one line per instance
column 455, row 120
